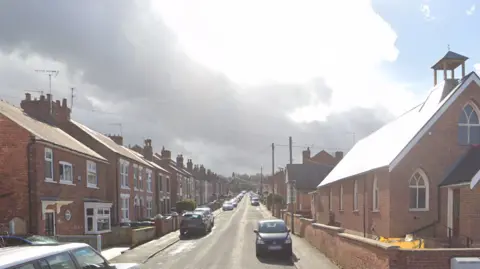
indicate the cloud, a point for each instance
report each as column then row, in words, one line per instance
column 216, row 82
column 427, row 14
column 471, row 10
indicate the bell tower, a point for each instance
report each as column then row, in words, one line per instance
column 449, row 62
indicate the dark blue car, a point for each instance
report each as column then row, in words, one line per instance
column 31, row 240
column 273, row 236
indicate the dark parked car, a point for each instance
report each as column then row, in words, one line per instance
column 32, row 240
column 195, row 222
column 273, row 236
column 208, row 212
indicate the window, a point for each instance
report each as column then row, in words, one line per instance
column 66, row 172
column 135, row 176
column 418, row 191
column 140, row 178
column 469, row 126
column 25, row 266
column 330, row 200
column 355, row 195
column 86, row 257
column 124, row 174
column 149, row 207
column 149, row 181
column 48, row 164
column 60, row 261
column 341, row 197
column 97, row 217
column 375, row 195
column 92, row 180
column 125, row 200
column 167, row 180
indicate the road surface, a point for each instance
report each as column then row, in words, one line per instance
column 230, row 245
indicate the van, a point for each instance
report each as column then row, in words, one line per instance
column 61, row 256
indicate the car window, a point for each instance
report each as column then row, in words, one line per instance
column 24, row 266
column 272, row 227
column 60, row 261
column 43, row 264
column 89, row 259
column 11, row 241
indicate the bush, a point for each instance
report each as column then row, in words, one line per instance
column 277, row 199
column 186, row 205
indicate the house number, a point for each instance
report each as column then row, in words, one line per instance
column 68, row 215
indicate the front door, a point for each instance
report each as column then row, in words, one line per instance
column 456, row 213
column 50, row 223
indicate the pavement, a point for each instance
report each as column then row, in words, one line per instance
column 305, row 255
column 231, row 244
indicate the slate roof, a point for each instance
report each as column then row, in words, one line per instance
column 389, row 144
column 171, row 164
column 464, row 169
column 307, row 175
column 149, row 162
column 450, row 56
column 110, row 144
column 46, row 132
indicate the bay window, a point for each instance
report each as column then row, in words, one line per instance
column 97, row 217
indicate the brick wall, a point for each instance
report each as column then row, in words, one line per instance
column 352, row 251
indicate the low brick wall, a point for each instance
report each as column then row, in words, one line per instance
column 143, row 235
column 353, row 251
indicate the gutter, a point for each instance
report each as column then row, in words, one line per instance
column 30, row 182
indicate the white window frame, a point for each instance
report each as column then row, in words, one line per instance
column 63, row 180
column 92, row 172
column 141, row 171
column 149, row 181
column 341, row 198
column 468, row 124
column 355, row 195
column 125, row 211
column 46, row 159
column 135, row 177
column 149, row 206
column 124, row 171
column 375, row 195
column 413, row 184
column 330, row 200
column 97, row 215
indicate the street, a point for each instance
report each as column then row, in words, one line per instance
column 231, row 245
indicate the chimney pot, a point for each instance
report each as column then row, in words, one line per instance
column 339, row 156
column 64, row 102
column 28, row 96
column 42, row 97
column 306, row 155
column 49, row 97
column 57, row 102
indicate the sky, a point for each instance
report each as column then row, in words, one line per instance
column 219, row 81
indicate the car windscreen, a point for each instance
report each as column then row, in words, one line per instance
column 227, row 204
column 39, row 240
column 192, row 216
column 272, row 227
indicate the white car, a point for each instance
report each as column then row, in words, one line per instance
column 227, row 206
column 65, row 256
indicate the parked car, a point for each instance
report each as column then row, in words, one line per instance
column 65, row 256
column 227, row 206
column 17, row 240
column 255, row 202
column 208, row 211
column 273, row 236
column 195, row 223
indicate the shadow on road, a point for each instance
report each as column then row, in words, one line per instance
column 190, row 237
column 276, row 260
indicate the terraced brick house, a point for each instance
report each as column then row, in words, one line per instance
column 51, row 184
column 165, row 161
column 413, row 175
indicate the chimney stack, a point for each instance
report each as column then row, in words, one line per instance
column 117, row 139
column 148, row 150
column 180, row 160
column 40, row 109
column 306, row 155
column 166, row 154
column 338, row 156
column 189, row 165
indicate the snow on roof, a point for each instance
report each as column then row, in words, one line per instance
column 385, row 145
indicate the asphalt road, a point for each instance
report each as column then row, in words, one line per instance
column 230, row 245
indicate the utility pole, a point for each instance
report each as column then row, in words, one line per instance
column 261, row 181
column 273, row 178
column 292, row 199
column 50, row 73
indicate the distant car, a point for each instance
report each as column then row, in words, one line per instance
column 255, row 202
column 227, row 206
column 69, row 255
column 208, row 211
column 32, row 240
column 234, row 203
column 273, row 236
column 195, row 222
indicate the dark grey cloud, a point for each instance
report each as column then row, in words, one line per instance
column 117, row 51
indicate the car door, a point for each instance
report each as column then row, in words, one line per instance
column 87, row 258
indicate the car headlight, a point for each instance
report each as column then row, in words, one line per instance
column 260, row 241
column 288, row 240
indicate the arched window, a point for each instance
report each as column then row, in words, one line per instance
column 419, row 192
column 355, row 195
column 469, row 126
column 375, row 195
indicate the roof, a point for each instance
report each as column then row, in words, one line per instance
column 170, row 164
column 308, row 175
column 46, row 132
column 464, row 169
column 390, row 144
column 450, row 55
column 150, row 162
column 11, row 256
column 110, row 144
